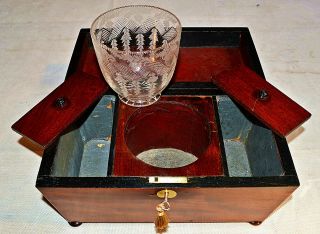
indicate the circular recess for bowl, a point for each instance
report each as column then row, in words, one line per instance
column 167, row 134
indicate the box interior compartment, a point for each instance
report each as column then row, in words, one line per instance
column 250, row 148
column 167, row 134
column 176, row 136
column 84, row 151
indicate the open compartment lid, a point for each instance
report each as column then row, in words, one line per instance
column 50, row 117
column 268, row 104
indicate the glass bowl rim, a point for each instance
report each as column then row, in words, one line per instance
column 179, row 29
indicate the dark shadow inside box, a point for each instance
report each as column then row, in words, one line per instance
column 250, row 148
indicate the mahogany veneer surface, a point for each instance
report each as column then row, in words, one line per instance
column 83, row 88
column 190, row 205
column 276, row 110
column 194, row 64
column 209, row 162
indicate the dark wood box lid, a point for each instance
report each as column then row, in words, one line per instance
column 50, row 117
column 268, row 104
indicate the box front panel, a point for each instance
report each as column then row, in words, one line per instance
column 190, row 205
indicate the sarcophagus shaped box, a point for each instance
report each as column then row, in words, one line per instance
column 216, row 138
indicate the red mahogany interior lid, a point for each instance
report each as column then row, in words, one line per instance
column 50, row 117
column 268, row 104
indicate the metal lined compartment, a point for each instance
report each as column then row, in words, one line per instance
column 250, row 148
column 84, row 151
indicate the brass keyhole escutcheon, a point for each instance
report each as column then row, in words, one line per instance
column 170, row 193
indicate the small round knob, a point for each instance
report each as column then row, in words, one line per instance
column 60, row 102
column 263, row 95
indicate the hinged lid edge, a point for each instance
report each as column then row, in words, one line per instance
column 50, row 117
column 272, row 107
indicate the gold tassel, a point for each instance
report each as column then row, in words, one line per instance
column 161, row 221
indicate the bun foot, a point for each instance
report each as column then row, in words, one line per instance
column 75, row 224
column 255, row 223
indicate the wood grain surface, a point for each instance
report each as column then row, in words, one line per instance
column 190, row 205
column 209, row 162
column 46, row 121
column 201, row 64
column 194, row 64
column 276, row 110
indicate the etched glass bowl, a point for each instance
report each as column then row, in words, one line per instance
column 137, row 49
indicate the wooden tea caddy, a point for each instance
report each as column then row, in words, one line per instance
column 244, row 171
